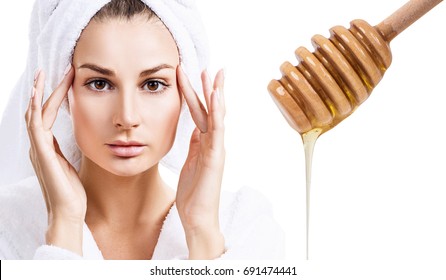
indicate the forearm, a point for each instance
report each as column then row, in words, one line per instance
column 66, row 235
column 205, row 244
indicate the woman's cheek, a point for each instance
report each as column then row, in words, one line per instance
column 172, row 108
column 161, row 115
column 89, row 121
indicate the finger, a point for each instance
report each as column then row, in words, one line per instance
column 28, row 109
column 197, row 110
column 52, row 105
column 217, row 120
column 219, row 89
column 207, row 87
column 32, row 93
column 35, row 107
column 219, row 82
column 217, row 112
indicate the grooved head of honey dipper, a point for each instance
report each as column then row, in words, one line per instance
column 295, row 114
column 377, row 45
column 329, row 84
column 291, row 110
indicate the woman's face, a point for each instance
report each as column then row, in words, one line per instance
column 125, row 102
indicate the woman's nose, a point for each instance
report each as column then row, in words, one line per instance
column 127, row 113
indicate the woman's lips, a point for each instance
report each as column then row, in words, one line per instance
column 126, row 149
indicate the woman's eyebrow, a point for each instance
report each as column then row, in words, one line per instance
column 155, row 69
column 96, row 68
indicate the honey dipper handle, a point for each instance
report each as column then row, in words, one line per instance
column 404, row 17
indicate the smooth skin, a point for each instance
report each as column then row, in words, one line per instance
column 123, row 200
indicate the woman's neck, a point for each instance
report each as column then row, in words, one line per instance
column 125, row 202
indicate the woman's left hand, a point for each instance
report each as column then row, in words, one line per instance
column 198, row 193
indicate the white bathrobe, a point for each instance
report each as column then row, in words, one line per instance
column 246, row 220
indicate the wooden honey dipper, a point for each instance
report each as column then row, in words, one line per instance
column 330, row 83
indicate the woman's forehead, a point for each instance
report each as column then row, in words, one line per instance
column 129, row 40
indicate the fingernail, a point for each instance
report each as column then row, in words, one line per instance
column 67, row 69
column 36, row 76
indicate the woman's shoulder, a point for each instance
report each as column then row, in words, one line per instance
column 22, row 218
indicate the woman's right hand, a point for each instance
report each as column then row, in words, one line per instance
column 64, row 195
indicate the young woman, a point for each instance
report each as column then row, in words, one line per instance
column 119, row 72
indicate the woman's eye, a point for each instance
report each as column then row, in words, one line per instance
column 154, row 86
column 99, row 85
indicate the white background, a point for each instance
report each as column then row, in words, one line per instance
column 379, row 190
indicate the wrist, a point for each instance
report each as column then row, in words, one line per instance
column 65, row 234
column 205, row 244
